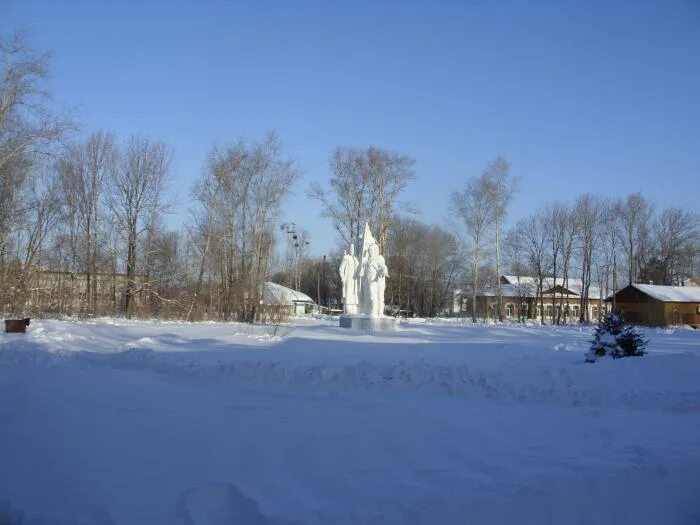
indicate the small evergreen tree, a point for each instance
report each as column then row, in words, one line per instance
column 615, row 338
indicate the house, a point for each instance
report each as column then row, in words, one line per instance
column 522, row 300
column 294, row 302
column 656, row 305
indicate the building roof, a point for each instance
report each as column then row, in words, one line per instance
column 523, row 290
column 572, row 284
column 670, row 294
column 277, row 294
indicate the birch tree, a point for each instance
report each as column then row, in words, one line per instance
column 502, row 190
column 473, row 206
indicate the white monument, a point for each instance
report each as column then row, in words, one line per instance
column 364, row 282
column 349, row 267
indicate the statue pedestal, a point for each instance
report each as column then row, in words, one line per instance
column 350, row 309
column 368, row 323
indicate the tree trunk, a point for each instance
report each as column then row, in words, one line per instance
column 130, row 273
column 498, row 272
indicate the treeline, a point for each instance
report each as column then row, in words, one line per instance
column 607, row 243
column 83, row 224
column 598, row 241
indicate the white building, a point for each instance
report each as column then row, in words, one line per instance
column 297, row 302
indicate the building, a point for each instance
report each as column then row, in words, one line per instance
column 521, row 300
column 57, row 292
column 656, row 305
column 295, row 303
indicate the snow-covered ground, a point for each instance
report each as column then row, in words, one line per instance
column 439, row 423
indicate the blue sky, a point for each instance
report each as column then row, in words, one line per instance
column 590, row 96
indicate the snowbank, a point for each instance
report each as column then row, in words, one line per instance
column 130, row 422
column 525, row 364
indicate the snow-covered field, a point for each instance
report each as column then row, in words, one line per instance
column 440, row 423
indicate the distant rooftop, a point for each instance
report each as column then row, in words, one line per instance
column 672, row 294
column 572, row 284
column 277, row 294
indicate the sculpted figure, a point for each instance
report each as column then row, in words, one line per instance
column 349, row 277
column 374, row 272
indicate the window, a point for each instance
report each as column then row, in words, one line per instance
column 549, row 310
column 510, row 310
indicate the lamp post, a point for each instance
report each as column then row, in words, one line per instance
column 320, row 272
column 297, row 244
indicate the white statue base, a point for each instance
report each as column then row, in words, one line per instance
column 368, row 323
column 350, row 309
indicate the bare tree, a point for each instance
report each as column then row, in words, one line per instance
column 502, row 189
column 474, row 207
column 635, row 216
column 83, row 171
column 534, row 235
column 555, row 228
column 166, row 275
column 611, row 239
column 204, row 216
column 135, row 194
column 589, row 213
column 28, row 126
column 39, row 217
column 239, row 203
column 425, row 262
column 676, row 235
column 364, row 187
column 516, row 259
column 13, row 175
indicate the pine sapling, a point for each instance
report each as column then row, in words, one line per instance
column 615, row 338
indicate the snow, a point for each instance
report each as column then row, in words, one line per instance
column 129, row 422
column 673, row 294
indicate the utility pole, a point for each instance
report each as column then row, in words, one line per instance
column 325, row 288
column 289, row 228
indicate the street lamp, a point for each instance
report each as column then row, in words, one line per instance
column 293, row 241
